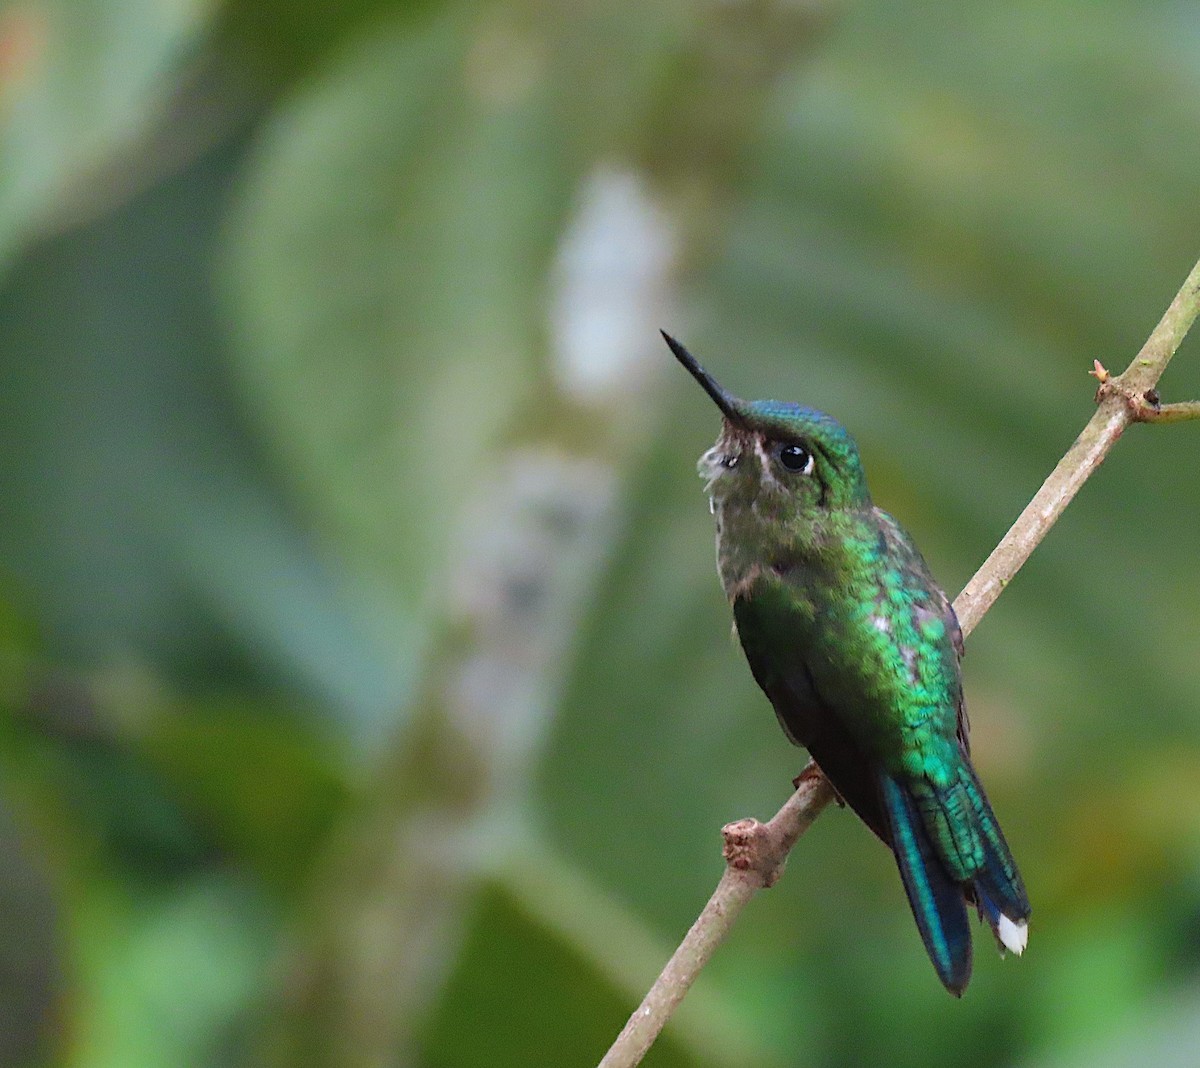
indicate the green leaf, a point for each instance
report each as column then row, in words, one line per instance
column 265, row 790
column 168, row 979
column 385, row 260
column 79, row 79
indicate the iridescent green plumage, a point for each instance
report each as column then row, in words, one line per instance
column 858, row 649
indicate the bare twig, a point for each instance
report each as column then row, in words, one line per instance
column 756, row 852
column 1120, row 401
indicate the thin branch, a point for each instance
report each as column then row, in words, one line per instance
column 755, row 852
column 1120, row 401
column 1182, row 412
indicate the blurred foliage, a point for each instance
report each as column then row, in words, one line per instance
column 366, row 694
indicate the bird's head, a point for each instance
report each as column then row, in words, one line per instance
column 776, row 456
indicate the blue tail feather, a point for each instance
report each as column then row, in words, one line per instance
column 998, row 881
column 936, row 900
column 971, row 865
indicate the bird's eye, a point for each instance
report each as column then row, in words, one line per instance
column 796, row 458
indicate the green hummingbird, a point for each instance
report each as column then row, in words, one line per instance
column 858, row 648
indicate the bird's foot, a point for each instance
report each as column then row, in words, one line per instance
column 813, row 771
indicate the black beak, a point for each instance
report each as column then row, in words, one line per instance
column 728, row 403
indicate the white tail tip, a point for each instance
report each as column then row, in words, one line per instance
column 1013, row 934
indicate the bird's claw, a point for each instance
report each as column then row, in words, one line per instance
column 813, row 771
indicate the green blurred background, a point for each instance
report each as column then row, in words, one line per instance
column 366, row 690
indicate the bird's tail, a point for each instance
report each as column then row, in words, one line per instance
column 937, row 900
column 950, row 850
column 999, row 892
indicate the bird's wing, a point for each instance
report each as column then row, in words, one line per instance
column 768, row 623
column 933, row 602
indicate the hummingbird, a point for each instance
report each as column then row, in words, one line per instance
column 858, row 650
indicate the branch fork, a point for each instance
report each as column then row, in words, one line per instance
column 758, row 851
column 1143, row 405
